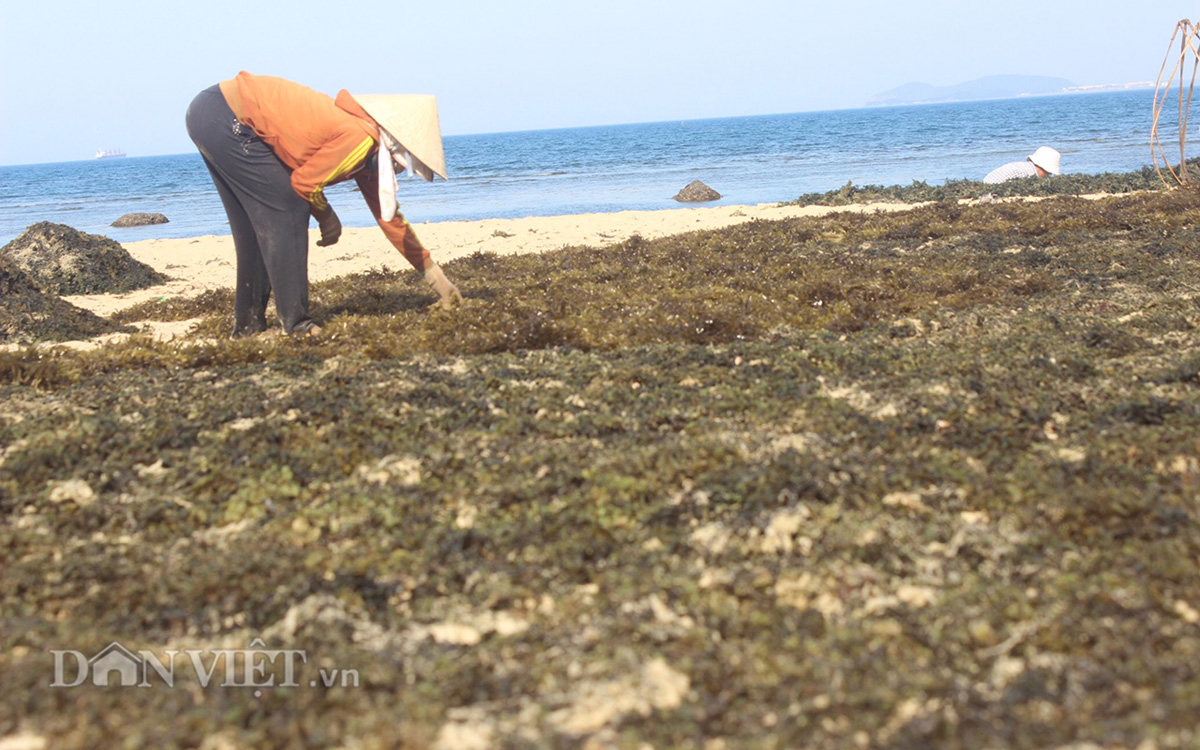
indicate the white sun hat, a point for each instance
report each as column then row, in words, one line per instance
column 1046, row 158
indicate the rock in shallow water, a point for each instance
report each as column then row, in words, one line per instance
column 697, row 192
column 140, row 220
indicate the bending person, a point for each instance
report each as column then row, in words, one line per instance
column 1044, row 161
column 272, row 146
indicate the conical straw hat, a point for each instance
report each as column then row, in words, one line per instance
column 412, row 120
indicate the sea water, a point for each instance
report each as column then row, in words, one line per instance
column 748, row 160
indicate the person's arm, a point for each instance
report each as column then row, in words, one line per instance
column 327, row 220
column 344, row 152
column 400, row 233
column 398, row 230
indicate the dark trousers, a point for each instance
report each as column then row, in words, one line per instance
column 269, row 221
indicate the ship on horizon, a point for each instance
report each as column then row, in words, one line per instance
column 109, row 153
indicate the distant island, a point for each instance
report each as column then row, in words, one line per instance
column 989, row 87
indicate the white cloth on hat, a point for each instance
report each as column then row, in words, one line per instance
column 391, row 155
column 387, row 179
column 398, row 159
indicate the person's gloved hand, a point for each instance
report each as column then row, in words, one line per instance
column 331, row 227
column 448, row 293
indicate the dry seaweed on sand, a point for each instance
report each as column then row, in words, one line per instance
column 876, row 480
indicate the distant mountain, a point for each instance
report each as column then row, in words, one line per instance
column 988, row 87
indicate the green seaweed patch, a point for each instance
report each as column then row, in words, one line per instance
column 919, row 191
column 208, row 303
column 952, row 504
column 840, row 273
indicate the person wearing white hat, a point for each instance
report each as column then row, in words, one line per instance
column 1044, row 161
column 272, row 146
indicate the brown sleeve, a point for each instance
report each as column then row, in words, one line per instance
column 398, row 230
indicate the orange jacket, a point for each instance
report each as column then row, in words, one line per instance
column 323, row 141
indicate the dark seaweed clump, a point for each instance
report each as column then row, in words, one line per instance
column 907, row 480
column 62, row 260
column 28, row 314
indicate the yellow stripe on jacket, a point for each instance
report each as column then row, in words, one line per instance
column 344, row 168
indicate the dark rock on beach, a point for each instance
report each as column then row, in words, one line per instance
column 28, row 314
column 62, row 260
column 140, row 220
column 697, row 192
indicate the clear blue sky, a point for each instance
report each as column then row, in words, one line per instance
column 120, row 74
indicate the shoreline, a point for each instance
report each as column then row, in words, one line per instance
column 198, row 264
column 195, row 265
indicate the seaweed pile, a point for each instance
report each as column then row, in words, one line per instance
column 62, row 260
column 48, row 260
column 913, row 479
column 29, row 314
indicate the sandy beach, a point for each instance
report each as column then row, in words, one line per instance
column 197, row 264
